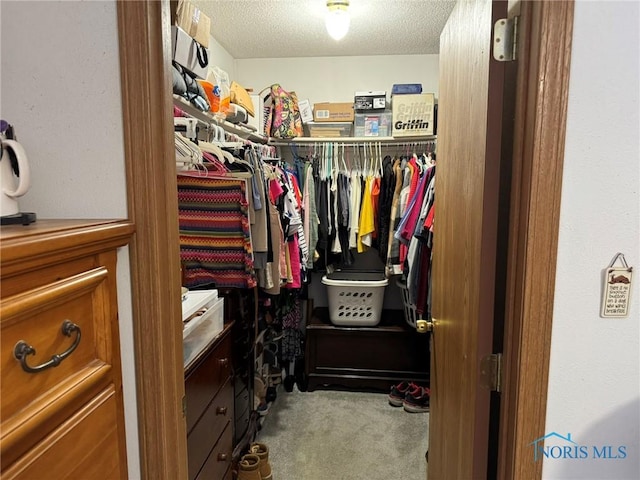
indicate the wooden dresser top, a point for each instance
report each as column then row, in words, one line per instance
column 25, row 244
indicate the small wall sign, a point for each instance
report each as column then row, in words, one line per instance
column 617, row 288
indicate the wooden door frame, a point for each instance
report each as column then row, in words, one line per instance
column 538, row 157
column 145, row 60
column 145, row 57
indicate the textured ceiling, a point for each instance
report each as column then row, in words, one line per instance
column 295, row 28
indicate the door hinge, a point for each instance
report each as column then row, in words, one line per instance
column 505, row 39
column 184, row 406
column 491, row 372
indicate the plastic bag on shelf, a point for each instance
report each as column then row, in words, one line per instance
column 222, row 89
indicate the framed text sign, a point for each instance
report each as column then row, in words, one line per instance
column 617, row 289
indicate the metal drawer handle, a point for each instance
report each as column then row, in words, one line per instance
column 222, row 457
column 221, row 411
column 224, row 362
column 22, row 349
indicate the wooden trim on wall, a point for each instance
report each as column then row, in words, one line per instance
column 145, row 61
column 541, row 115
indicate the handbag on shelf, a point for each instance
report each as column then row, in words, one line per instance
column 284, row 120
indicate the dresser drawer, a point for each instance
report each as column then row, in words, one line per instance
column 33, row 403
column 205, row 379
column 207, row 430
column 219, row 461
column 61, row 406
column 84, row 446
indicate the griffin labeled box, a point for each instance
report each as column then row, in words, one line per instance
column 412, row 115
column 333, row 112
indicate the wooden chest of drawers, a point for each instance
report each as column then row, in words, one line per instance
column 61, row 400
column 209, row 393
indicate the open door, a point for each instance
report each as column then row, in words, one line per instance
column 466, row 240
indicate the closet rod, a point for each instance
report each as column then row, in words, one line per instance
column 354, row 144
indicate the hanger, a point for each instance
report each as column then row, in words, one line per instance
column 214, row 150
column 186, row 149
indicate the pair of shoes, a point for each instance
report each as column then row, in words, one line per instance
column 417, row 400
column 399, row 391
column 412, row 397
column 255, row 464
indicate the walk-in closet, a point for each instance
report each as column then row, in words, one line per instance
column 306, row 208
column 279, row 239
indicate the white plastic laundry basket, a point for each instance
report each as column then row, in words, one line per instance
column 355, row 298
column 410, row 314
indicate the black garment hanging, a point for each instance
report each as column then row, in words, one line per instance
column 385, row 200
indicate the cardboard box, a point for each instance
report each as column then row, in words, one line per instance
column 333, row 112
column 191, row 19
column 329, row 129
column 367, row 101
column 413, row 115
column 185, row 52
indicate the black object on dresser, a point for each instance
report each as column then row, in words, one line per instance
column 368, row 358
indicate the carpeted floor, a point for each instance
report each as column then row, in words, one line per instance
column 334, row 435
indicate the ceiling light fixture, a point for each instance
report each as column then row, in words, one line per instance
column 337, row 19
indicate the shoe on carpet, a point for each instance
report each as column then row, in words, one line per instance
column 417, row 401
column 271, row 394
column 262, row 451
column 398, row 392
column 249, row 467
column 289, row 382
column 263, row 408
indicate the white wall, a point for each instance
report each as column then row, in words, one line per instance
column 335, row 79
column 594, row 378
column 219, row 57
column 60, row 88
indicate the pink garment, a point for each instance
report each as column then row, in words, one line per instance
column 294, row 257
column 275, row 190
column 415, row 178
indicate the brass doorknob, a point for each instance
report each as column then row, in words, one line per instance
column 424, row 326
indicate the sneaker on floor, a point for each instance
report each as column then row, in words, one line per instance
column 398, row 392
column 417, row 401
column 262, row 408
